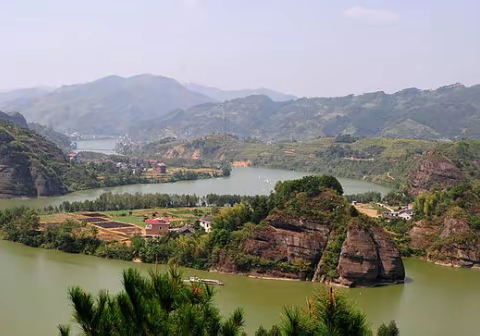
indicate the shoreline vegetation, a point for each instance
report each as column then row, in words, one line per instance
column 243, row 240
column 396, row 163
column 239, row 223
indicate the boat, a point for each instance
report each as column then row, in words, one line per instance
column 204, row 281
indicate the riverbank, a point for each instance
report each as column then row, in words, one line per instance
column 235, row 243
column 242, row 181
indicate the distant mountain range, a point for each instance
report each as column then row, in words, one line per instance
column 148, row 106
column 21, row 94
column 112, row 105
column 222, row 95
column 448, row 112
column 108, row 105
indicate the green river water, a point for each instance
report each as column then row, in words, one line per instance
column 243, row 181
column 34, row 282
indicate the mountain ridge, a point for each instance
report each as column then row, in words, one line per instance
column 224, row 95
column 107, row 105
column 451, row 112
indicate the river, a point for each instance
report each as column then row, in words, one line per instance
column 33, row 294
column 34, row 282
column 243, row 181
column 105, row 146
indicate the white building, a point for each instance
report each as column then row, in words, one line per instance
column 206, row 223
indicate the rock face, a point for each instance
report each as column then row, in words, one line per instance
column 14, row 117
column 369, row 257
column 289, row 239
column 30, row 166
column 451, row 241
column 434, row 170
column 423, row 234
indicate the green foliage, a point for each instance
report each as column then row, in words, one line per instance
column 226, row 170
column 162, row 304
column 32, row 159
column 388, row 330
column 22, row 225
column 397, row 198
column 345, row 138
column 233, row 218
column 159, row 304
column 59, row 139
column 328, row 314
column 330, row 257
column 366, row 197
column 115, row 251
column 311, row 185
column 475, row 222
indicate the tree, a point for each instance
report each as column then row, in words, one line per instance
column 390, row 330
column 328, row 314
column 159, row 304
column 226, row 171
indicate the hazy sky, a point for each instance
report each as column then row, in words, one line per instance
column 304, row 47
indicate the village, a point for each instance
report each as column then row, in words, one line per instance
column 148, row 170
column 119, row 226
column 381, row 210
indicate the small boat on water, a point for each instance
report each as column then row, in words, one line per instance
column 204, row 281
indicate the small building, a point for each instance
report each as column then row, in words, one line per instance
column 73, row 157
column 405, row 213
column 161, row 168
column 206, row 223
column 157, row 226
column 184, row 230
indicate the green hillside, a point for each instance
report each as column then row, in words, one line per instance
column 448, row 112
column 31, row 165
column 417, row 165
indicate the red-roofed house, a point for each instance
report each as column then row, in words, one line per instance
column 157, row 226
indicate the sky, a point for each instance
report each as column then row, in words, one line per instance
column 304, row 47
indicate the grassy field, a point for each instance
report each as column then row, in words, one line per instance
column 177, row 216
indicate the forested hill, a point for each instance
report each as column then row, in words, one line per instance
column 409, row 164
column 108, row 105
column 448, row 112
column 61, row 140
column 31, row 165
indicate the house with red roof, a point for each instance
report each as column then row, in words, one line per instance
column 157, row 226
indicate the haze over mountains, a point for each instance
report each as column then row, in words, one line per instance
column 448, row 112
column 112, row 105
column 20, row 94
column 224, row 95
column 148, row 106
column 108, row 105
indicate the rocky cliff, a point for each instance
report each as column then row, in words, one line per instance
column 322, row 239
column 14, row 117
column 447, row 226
column 449, row 241
column 369, row 256
column 30, row 166
column 434, row 171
